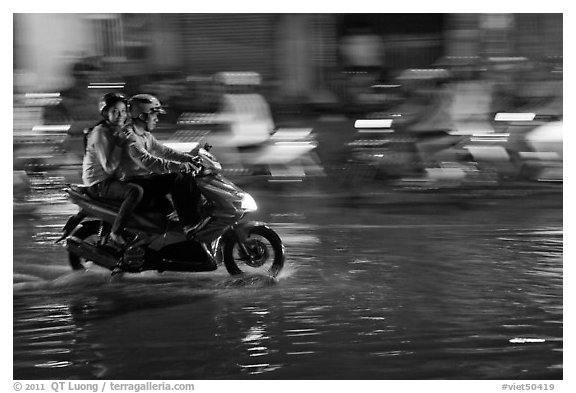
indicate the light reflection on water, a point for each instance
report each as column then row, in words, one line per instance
column 468, row 294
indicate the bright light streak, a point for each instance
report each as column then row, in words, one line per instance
column 489, row 139
column 492, row 134
column 291, row 133
column 181, row 146
column 385, row 86
column 42, row 95
column 295, row 143
column 515, row 116
column 64, row 127
column 507, row 59
column 520, row 340
column 285, row 180
column 106, row 86
column 376, row 131
column 373, row 123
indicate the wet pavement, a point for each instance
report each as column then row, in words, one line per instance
column 418, row 286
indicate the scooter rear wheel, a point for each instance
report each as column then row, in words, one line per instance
column 263, row 252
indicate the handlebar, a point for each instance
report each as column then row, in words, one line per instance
column 207, row 164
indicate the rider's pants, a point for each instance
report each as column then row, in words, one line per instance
column 130, row 195
column 183, row 188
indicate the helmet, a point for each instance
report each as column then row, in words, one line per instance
column 144, row 103
column 110, row 99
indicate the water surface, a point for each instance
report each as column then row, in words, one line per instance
column 370, row 291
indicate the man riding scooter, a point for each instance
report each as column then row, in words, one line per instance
column 156, row 168
column 249, row 139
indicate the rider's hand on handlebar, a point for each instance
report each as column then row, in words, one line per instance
column 189, row 168
column 196, row 160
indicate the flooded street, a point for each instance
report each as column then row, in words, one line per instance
column 370, row 290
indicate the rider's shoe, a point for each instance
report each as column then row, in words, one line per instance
column 209, row 253
column 173, row 217
column 117, row 273
column 117, row 241
column 191, row 230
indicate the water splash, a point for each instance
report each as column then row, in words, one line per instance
column 248, row 281
column 72, row 280
column 287, row 272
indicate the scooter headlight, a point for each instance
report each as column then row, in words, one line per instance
column 248, row 203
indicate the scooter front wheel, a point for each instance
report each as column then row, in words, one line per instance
column 262, row 251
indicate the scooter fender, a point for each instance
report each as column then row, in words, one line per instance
column 241, row 230
column 71, row 224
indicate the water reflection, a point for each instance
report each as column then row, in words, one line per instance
column 355, row 302
column 256, row 341
column 47, row 337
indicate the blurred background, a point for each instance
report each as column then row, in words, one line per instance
column 235, row 80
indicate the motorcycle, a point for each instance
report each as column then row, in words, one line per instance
column 248, row 141
column 286, row 154
column 157, row 241
column 381, row 151
column 523, row 147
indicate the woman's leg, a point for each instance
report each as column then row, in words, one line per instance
column 130, row 194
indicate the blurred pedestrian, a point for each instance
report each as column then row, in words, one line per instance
column 246, row 110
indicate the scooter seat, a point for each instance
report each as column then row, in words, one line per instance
column 81, row 196
column 84, row 191
column 79, row 188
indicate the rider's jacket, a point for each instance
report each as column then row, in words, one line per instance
column 144, row 155
column 103, row 154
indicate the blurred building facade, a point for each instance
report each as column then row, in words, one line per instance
column 296, row 53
